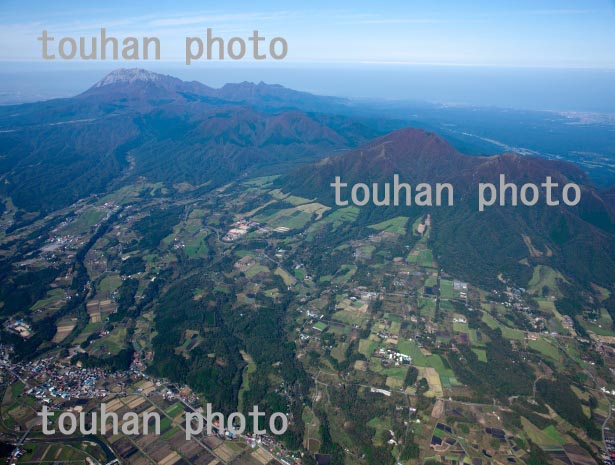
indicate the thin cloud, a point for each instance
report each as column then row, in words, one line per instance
column 212, row 18
column 385, row 21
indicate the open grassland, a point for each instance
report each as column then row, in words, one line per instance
column 396, row 225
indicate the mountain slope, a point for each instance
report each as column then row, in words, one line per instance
column 136, row 123
column 579, row 241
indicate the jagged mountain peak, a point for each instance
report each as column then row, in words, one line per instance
column 130, row 76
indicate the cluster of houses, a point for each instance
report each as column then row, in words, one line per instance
column 17, row 453
column 239, row 229
column 567, row 323
column 52, row 381
column 314, row 323
column 19, row 327
column 461, row 287
column 513, row 299
column 364, row 294
column 244, row 263
column 608, row 455
column 606, row 391
column 274, row 447
column 392, row 356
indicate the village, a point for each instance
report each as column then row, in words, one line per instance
column 49, row 383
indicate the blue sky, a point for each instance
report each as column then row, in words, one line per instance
column 539, row 33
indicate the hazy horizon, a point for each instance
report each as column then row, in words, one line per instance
column 537, row 55
column 530, row 88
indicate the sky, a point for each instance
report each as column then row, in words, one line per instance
column 539, row 54
column 517, row 33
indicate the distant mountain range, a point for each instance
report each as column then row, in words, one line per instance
column 261, row 95
column 136, row 123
